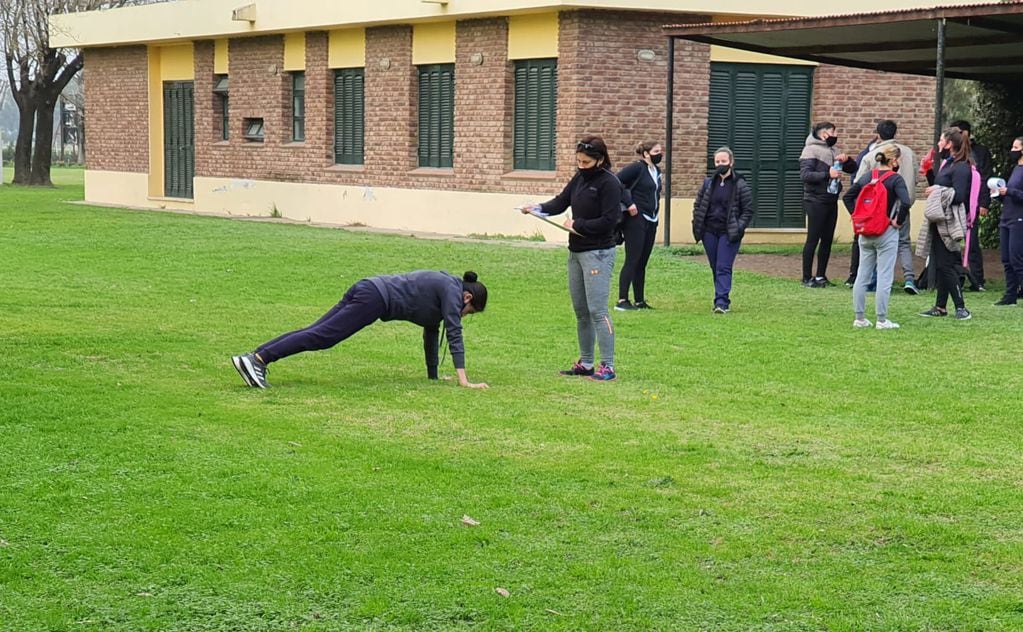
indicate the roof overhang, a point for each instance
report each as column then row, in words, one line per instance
column 982, row 41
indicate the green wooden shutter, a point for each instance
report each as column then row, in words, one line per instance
column 436, row 115
column 178, row 138
column 763, row 113
column 536, row 95
column 349, row 116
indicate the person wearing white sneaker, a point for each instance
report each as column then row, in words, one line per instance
column 879, row 203
column 862, row 323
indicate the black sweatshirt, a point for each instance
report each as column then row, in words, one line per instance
column 897, row 194
column 427, row 298
column 596, row 201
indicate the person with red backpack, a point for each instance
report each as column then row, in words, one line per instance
column 879, row 204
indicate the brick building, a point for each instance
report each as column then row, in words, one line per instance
column 441, row 116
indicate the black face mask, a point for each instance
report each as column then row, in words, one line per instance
column 945, row 153
column 1014, row 155
column 590, row 173
column 722, row 169
column 830, row 142
column 656, row 158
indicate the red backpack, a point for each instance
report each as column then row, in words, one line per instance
column 870, row 215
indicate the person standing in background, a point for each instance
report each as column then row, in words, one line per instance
column 821, row 187
column 643, row 180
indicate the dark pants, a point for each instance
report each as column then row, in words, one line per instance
column 975, row 258
column 854, row 261
column 721, row 255
column 640, row 235
column 821, row 218
column 1011, row 238
column 360, row 306
column 947, row 265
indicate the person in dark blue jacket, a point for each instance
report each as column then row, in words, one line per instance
column 425, row 297
column 1010, row 227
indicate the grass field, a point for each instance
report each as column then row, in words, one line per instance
column 772, row 469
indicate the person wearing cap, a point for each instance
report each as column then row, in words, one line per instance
column 595, row 195
column 1010, row 227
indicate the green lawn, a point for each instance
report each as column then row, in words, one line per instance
column 772, row 469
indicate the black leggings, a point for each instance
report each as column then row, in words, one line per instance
column 821, row 218
column 947, row 268
column 640, row 235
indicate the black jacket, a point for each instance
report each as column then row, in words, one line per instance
column 427, row 298
column 897, row 194
column 740, row 210
column 596, row 202
column 646, row 195
column 814, row 165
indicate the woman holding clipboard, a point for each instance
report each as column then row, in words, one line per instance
column 595, row 195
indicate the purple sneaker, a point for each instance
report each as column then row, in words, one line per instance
column 603, row 374
column 578, row 369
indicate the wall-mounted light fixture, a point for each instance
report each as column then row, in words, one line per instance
column 385, row 63
column 245, row 13
column 645, row 54
column 476, row 59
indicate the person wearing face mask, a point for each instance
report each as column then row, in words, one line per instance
column 595, row 195
column 816, row 170
column 642, row 178
column 721, row 213
column 907, row 169
column 425, row 297
column 878, row 252
column 981, row 156
column 1010, row 227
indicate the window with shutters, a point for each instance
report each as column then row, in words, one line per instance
column 436, row 115
column 298, row 106
column 763, row 113
column 349, row 116
column 220, row 88
column 536, row 101
column 178, row 138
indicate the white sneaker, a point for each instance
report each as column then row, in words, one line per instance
column 862, row 323
column 887, row 324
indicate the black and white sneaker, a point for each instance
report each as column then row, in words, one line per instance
column 625, row 306
column 251, row 369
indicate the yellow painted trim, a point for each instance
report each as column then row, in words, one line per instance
column 346, row 48
column 533, row 36
column 294, row 51
column 734, row 55
column 155, row 122
column 177, row 63
column 433, row 43
column 220, row 59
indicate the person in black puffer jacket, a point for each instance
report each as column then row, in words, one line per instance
column 816, row 170
column 723, row 210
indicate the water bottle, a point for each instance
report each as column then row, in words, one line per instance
column 835, row 182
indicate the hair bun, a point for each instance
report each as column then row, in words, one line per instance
column 470, row 277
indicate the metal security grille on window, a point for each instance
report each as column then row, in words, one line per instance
column 536, row 101
column 349, row 116
column 763, row 113
column 298, row 106
column 436, row 115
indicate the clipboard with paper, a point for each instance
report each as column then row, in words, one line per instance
column 540, row 215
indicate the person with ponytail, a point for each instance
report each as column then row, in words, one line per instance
column 425, row 297
column 642, row 178
column 595, row 195
column 954, row 172
column 878, row 253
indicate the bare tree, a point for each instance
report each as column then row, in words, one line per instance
column 37, row 74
